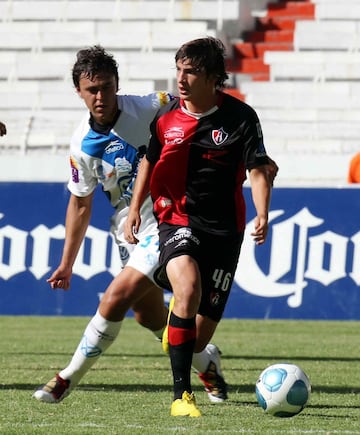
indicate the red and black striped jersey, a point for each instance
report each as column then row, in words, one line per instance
column 201, row 162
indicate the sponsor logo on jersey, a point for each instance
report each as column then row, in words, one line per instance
column 219, row 136
column 181, row 234
column 174, row 135
column 74, row 170
column 114, row 146
column 183, row 242
column 165, row 202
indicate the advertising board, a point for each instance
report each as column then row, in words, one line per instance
column 309, row 267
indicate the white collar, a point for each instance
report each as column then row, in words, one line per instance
column 199, row 115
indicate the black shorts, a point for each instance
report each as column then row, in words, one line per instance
column 217, row 258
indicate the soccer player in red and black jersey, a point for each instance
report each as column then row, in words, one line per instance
column 105, row 150
column 202, row 144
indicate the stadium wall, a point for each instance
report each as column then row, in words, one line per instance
column 308, row 269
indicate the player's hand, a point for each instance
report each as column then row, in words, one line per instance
column 131, row 226
column 60, row 278
column 261, row 229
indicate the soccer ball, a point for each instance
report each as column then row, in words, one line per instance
column 283, row 390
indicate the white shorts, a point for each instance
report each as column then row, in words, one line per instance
column 144, row 256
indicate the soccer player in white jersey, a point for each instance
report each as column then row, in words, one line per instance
column 106, row 149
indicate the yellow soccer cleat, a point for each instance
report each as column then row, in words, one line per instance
column 186, row 406
column 165, row 336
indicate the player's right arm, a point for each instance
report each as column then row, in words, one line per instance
column 77, row 220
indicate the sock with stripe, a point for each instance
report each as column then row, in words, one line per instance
column 182, row 336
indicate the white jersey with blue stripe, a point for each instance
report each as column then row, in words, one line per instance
column 111, row 158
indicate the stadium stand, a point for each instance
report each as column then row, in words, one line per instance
column 119, row 10
column 296, row 62
column 299, row 68
column 38, row 43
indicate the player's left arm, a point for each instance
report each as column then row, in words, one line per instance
column 271, row 170
column 141, row 190
column 261, row 194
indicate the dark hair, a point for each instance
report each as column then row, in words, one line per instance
column 206, row 54
column 93, row 61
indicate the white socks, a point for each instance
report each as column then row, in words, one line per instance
column 201, row 360
column 98, row 336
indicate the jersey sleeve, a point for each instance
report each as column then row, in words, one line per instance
column 254, row 148
column 82, row 182
column 154, row 149
column 145, row 106
column 155, row 146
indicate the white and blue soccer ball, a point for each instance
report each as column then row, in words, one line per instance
column 283, row 390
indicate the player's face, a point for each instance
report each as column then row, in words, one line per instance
column 99, row 95
column 194, row 87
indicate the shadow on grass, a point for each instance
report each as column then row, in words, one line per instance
column 108, row 355
column 233, row 389
column 250, row 388
column 289, row 357
column 121, row 388
column 223, row 356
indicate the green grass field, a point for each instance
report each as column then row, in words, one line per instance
column 129, row 390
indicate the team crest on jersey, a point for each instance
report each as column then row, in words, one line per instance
column 122, row 165
column 219, row 136
column 214, row 299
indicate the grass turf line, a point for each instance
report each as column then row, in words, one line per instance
column 129, row 390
